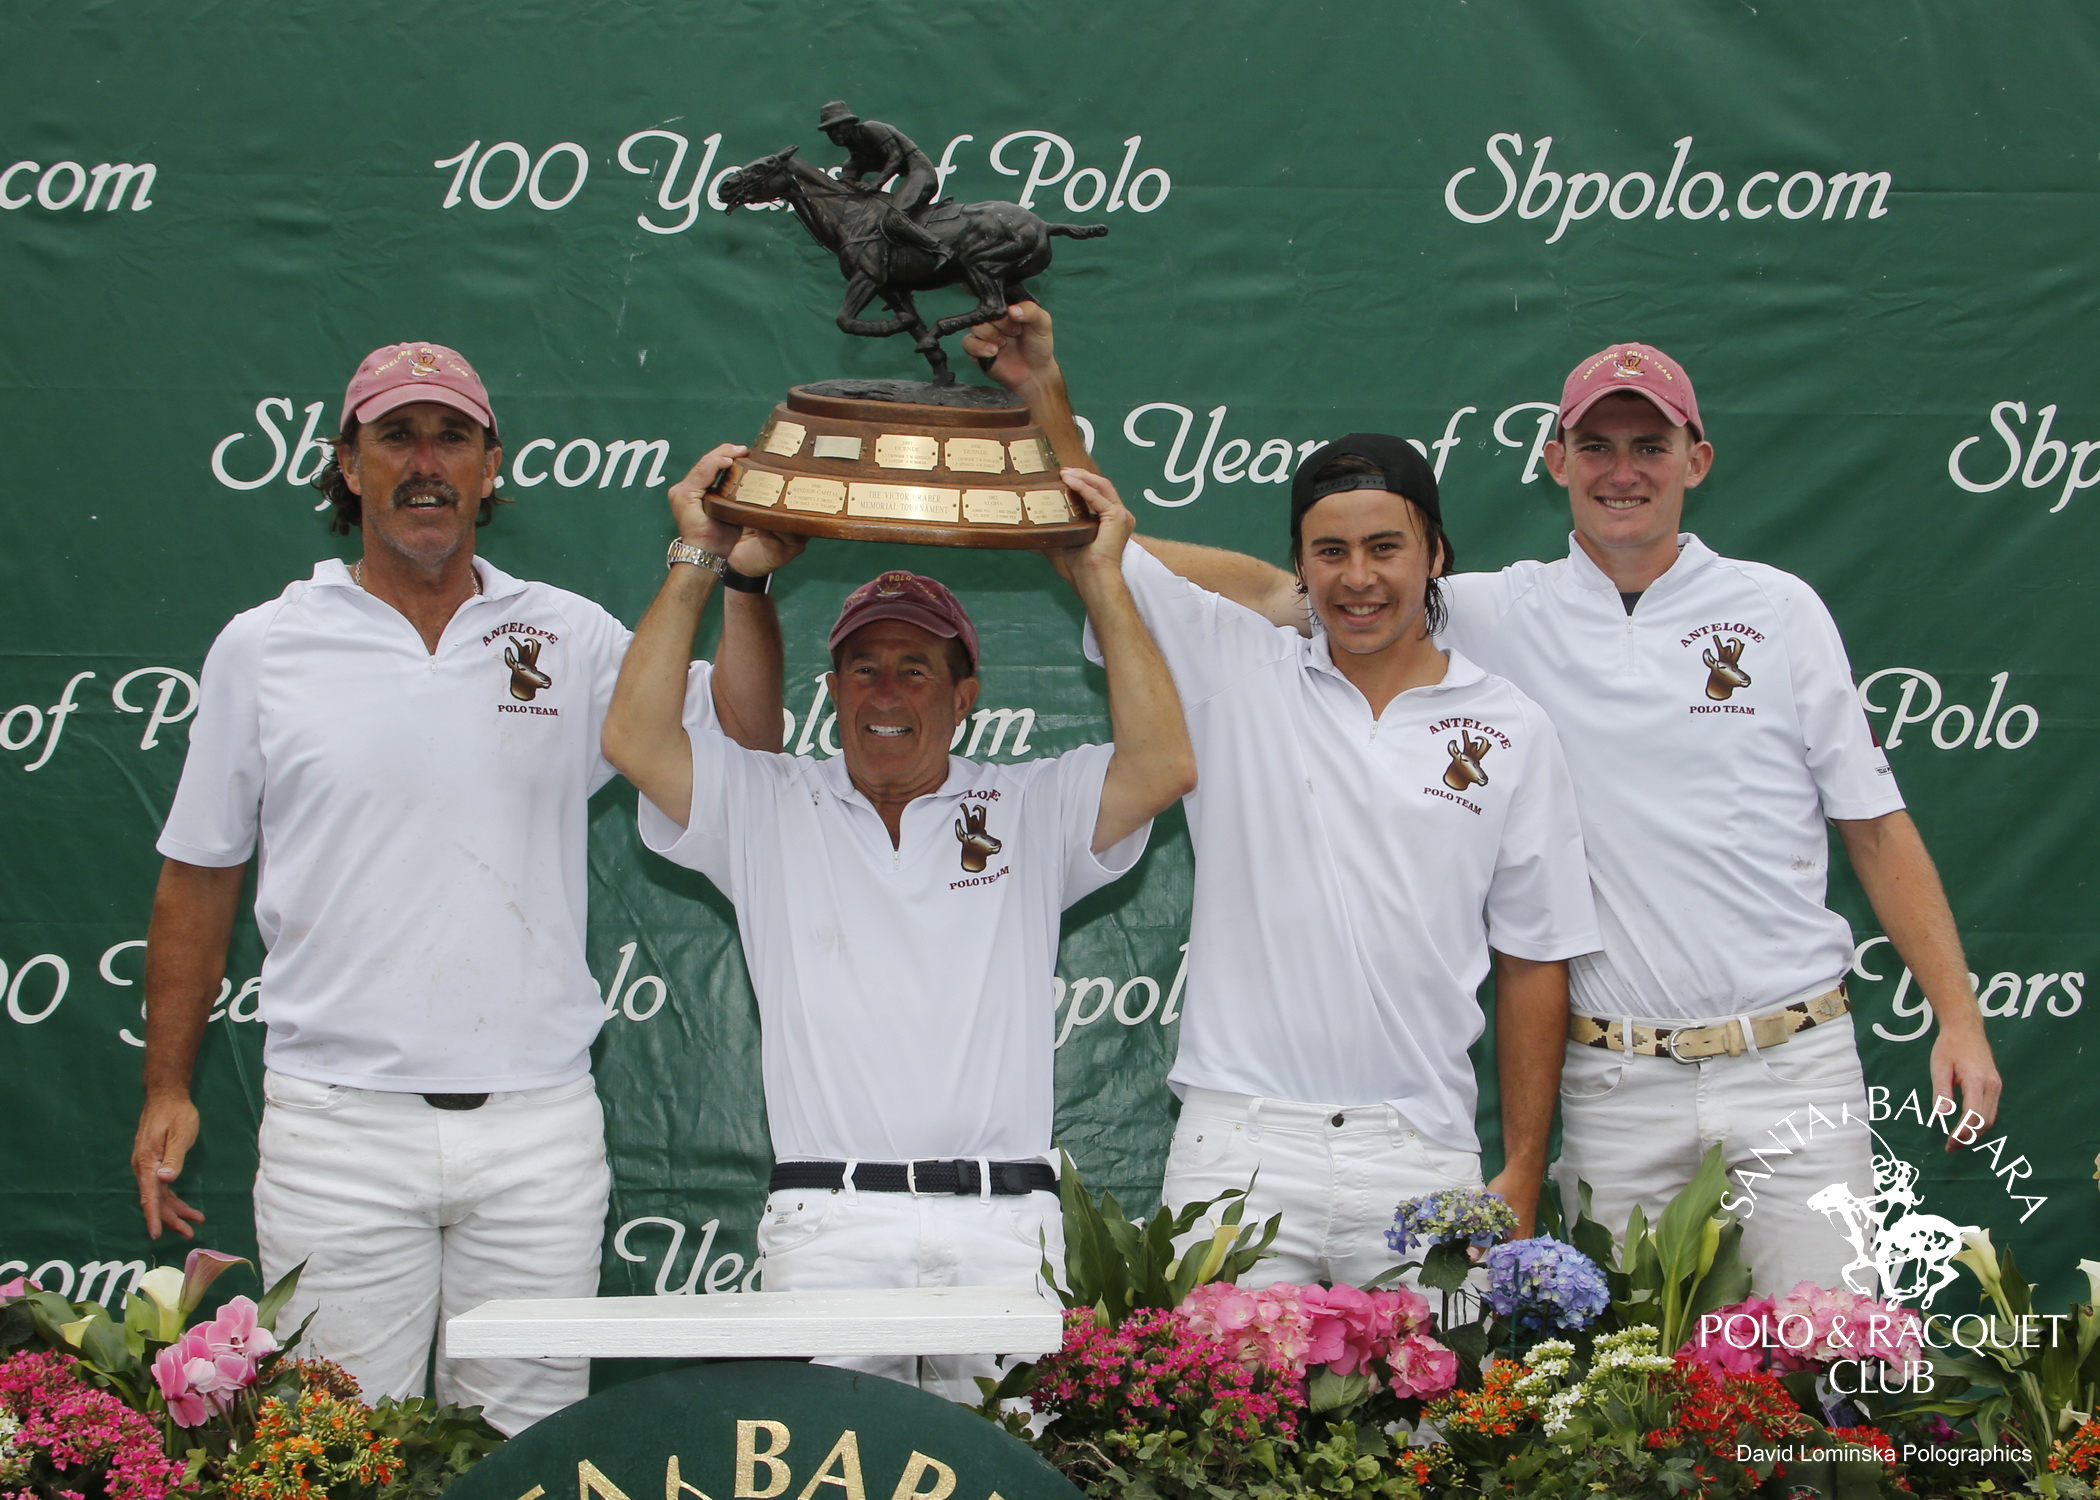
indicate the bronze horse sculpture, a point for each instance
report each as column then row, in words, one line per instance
column 991, row 247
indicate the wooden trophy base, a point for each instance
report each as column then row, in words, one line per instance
column 844, row 465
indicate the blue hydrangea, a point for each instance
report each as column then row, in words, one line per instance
column 1472, row 1215
column 1545, row 1286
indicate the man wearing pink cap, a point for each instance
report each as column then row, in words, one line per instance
column 899, row 908
column 409, row 742
column 1707, row 710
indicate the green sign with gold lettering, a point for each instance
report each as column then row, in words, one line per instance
column 764, row 1430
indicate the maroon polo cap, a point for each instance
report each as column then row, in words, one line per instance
column 1641, row 369
column 397, row 374
column 916, row 600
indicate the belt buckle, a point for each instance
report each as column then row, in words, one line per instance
column 1671, row 1046
column 911, row 1182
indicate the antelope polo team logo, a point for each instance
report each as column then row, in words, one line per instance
column 522, row 645
column 1722, row 656
column 1465, row 773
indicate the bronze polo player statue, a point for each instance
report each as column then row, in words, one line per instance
column 992, row 248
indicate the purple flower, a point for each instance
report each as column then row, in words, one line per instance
column 1474, row 1215
column 1545, row 1286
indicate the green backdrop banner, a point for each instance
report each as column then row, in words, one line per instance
column 1866, row 228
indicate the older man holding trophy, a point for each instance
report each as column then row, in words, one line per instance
column 899, row 906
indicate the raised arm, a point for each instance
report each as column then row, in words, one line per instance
column 193, row 912
column 1896, row 871
column 1154, row 764
column 1247, row 581
column 644, row 732
column 749, row 661
column 1018, row 351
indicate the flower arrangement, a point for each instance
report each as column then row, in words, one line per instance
column 1383, row 1336
column 153, row 1406
column 60, row 1436
column 1153, row 1394
column 314, row 1446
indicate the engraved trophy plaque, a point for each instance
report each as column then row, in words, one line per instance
column 934, row 461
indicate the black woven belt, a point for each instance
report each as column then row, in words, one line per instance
column 1010, row 1179
column 455, row 1101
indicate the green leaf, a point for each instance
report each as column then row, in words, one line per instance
column 1445, row 1267
column 1727, row 1281
column 275, row 1298
column 1327, row 1391
column 1682, row 1227
column 17, row 1326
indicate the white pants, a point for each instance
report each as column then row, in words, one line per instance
column 407, row 1215
column 830, row 1239
column 1635, row 1129
column 1336, row 1175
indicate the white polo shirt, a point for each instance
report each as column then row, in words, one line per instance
column 1351, row 874
column 1703, row 799
column 904, row 997
column 421, row 820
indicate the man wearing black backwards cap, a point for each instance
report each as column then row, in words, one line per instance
column 1714, row 733
column 899, row 909
column 1375, row 816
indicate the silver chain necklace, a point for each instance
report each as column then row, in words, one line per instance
column 357, row 575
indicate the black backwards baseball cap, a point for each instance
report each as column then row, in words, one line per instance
column 1400, row 470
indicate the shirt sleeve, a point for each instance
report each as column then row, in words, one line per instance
column 604, row 641
column 218, row 803
column 1079, row 776
column 704, row 843
column 1208, row 641
column 1473, row 604
column 1539, row 905
column 1852, row 775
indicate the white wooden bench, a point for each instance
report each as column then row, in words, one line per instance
column 909, row 1320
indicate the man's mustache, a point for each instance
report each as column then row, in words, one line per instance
column 425, row 486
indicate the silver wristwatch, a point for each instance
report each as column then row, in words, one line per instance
column 686, row 552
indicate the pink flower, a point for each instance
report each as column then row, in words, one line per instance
column 9, row 1290
column 1823, row 1326
column 1420, row 1366
column 1342, row 1329
column 1399, row 1311
column 1219, row 1309
column 1810, row 1327
column 1738, row 1339
column 201, row 1373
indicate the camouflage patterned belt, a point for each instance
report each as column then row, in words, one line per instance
column 1725, row 1038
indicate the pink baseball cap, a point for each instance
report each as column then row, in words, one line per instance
column 916, row 600
column 1642, row 369
column 396, row 374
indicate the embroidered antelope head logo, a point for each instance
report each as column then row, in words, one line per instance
column 977, row 845
column 1724, row 676
column 526, row 678
column 1466, row 755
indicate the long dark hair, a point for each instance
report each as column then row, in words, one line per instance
column 349, row 512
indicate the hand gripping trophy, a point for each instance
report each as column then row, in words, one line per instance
column 933, row 461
